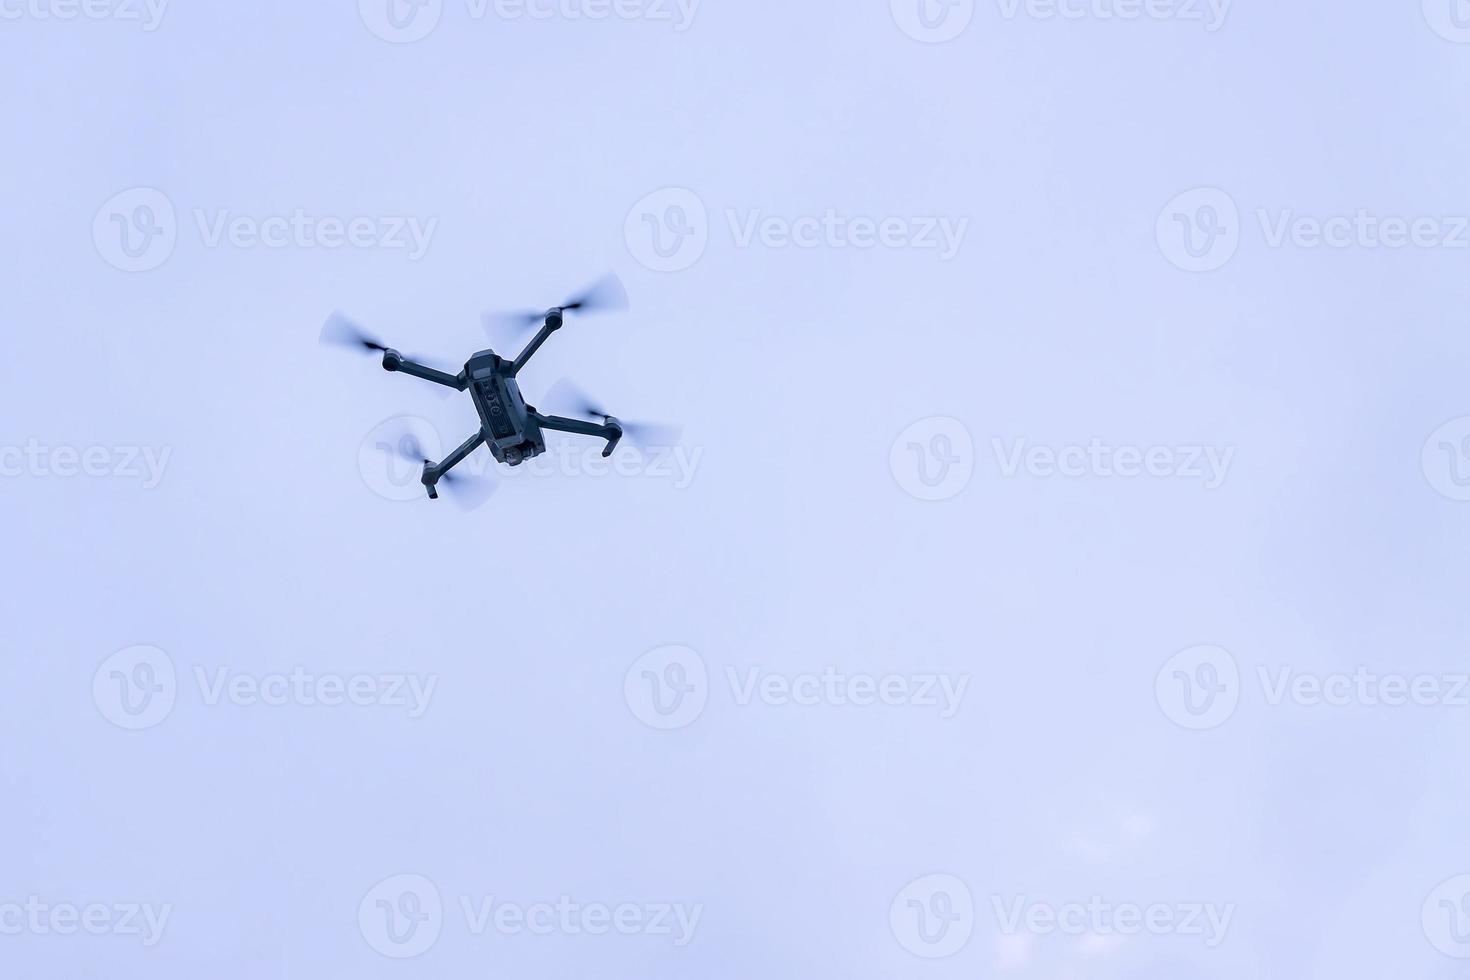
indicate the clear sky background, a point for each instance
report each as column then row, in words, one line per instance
column 853, row 517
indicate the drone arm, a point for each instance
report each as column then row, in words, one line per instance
column 394, row 361
column 609, row 430
column 552, row 324
column 433, row 472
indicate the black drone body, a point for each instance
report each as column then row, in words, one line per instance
column 508, row 426
column 513, row 430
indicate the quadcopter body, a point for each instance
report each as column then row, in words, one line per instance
column 508, row 426
column 512, row 430
column 511, row 433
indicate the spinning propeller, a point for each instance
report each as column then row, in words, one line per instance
column 577, row 402
column 606, row 295
column 339, row 331
column 467, row 492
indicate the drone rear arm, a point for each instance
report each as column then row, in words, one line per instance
column 434, row 472
column 609, row 430
column 394, row 361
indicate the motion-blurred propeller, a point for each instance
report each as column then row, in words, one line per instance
column 606, row 295
column 566, row 396
column 467, row 491
column 339, row 331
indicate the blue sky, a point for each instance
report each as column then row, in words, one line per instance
column 1058, row 575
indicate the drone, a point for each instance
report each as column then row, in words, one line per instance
column 513, row 430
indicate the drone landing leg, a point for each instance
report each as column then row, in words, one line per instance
column 609, row 430
column 433, row 472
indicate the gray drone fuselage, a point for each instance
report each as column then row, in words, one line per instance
column 511, row 433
